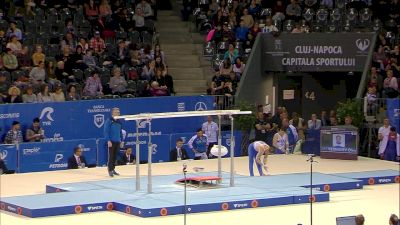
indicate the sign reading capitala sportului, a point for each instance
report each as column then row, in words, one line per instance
column 316, row 51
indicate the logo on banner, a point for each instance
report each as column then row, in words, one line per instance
column 31, row 151
column 58, row 158
column 94, row 208
column 396, row 112
column 84, row 149
column 3, row 154
column 98, row 120
column 278, row 45
column 200, row 106
column 46, row 116
column 181, row 106
column 154, row 148
column 362, row 45
column 142, row 123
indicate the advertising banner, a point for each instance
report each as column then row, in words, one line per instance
column 9, row 154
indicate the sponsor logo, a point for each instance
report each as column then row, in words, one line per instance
column 12, row 209
column 58, row 158
column 9, row 116
column 47, row 116
column 142, row 123
column 98, row 109
column 84, row 149
column 200, row 106
column 362, row 45
column 94, row 208
column 30, row 151
column 385, row 180
column 3, row 154
column 243, row 205
column 56, row 138
column 396, row 112
column 181, row 106
column 154, row 148
column 278, row 45
column 98, row 120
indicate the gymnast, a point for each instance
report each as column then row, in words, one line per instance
column 256, row 150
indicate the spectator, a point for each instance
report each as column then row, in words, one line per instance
column 198, row 143
column 280, row 142
column 145, row 7
column 159, row 63
column 324, row 118
column 14, row 136
column 379, row 58
column 24, row 59
column 360, row 219
column 118, row 83
column 393, row 220
column 149, row 70
column 35, row 133
column 390, row 85
column 10, row 61
column 69, row 27
column 58, row 94
column 72, row 94
column 219, row 19
column 372, row 105
column 348, row 121
column 14, row 95
column 127, row 158
column 261, row 127
column 238, row 67
column 269, row 27
column 50, row 72
column 38, row 74
column 93, row 87
column 97, row 43
column 278, row 11
column 77, row 59
column 4, row 86
column 377, row 77
column 293, row 10
column 38, row 55
column 226, row 67
column 91, row 10
column 3, row 40
column 121, row 54
column 77, row 161
column 157, row 90
column 29, row 96
column 298, row 123
column 168, row 81
column 333, row 121
column 234, row 79
column 247, row 19
column 179, row 152
column 297, row 29
column 255, row 29
column 389, row 149
column 69, row 41
column 65, row 57
column 139, row 20
column 314, row 123
column 158, row 53
column 89, row 60
column 105, row 9
column 61, row 74
column 232, row 20
column 44, row 94
column 213, row 6
column 210, row 129
column 292, row 134
column 241, row 32
column 14, row 31
column 83, row 43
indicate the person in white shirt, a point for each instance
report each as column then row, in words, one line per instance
column 383, row 131
column 210, row 129
column 314, row 123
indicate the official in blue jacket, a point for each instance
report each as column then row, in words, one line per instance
column 113, row 136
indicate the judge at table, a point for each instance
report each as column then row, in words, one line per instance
column 178, row 153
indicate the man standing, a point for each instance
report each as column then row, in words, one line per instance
column 14, row 136
column 291, row 132
column 178, row 153
column 77, row 160
column 198, row 143
column 210, row 128
column 113, row 136
column 383, row 131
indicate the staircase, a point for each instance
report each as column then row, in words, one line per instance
column 183, row 53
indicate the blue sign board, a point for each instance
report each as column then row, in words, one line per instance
column 8, row 153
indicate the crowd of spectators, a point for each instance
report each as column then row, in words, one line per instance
column 72, row 50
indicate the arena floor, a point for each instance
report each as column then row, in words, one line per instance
column 375, row 202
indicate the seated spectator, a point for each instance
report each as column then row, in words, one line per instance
column 3, row 40
column 157, row 52
column 168, row 81
column 324, row 118
column 97, row 43
column 118, row 83
column 62, row 75
column 380, row 58
column 127, row 158
column 278, row 11
column 35, row 133
column 77, row 160
column 72, row 95
column 105, row 9
column 226, row 67
column 333, row 121
column 247, row 19
column 156, row 90
column 224, row 34
column 234, row 79
column 4, row 86
column 372, row 105
column 58, row 94
column 93, row 87
column 44, row 94
column 38, row 55
column 219, row 19
column 299, row 124
column 91, row 10
column 38, row 74
column 145, row 7
column 69, row 27
column 393, row 220
column 139, row 20
column 218, row 83
column 14, row 45
column 314, row 123
column 248, row 44
column 269, row 27
column 238, row 67
column 159, row 63
column 159, row 77
column 255, row 29
column 390, row 85
column 14, row 95
column 14, row 135
column 89, row 60
column 213, row 6
column 348, row 120
column 83, row 43
column 77, row 59
column 121, row 54
column 50, row 72
column 146, row 54
column 10, row 61
column 29, row 96
column 228, row 90
column 24, row 59
column 280, row 142
column 148, row 71
column 14, row 31
column 254, row 8
column 293, row 10
column 241, row 32
column 179, row 152
column 232, row 20
column 377, row 78
column 69, row 41
column 297, row 29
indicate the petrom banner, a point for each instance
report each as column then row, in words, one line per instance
column 316, row 51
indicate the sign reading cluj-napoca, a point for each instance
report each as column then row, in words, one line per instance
column 316, row 51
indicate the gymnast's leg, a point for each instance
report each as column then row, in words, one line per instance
column 252, row 156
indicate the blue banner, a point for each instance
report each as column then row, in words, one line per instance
column 393, row 112
column 85, row 119
column 9, row 154
column 38, row 156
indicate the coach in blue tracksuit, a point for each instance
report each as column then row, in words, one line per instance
column 113, row 136
column 198, row 143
